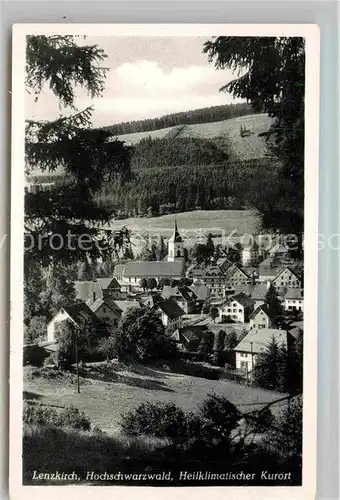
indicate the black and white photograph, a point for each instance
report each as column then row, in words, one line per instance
column 166, row 333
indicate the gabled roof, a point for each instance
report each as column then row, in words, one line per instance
column 106, row 283
column 125, row 305
column 278, row 249
column 242, row 299
column 294, row 294
column 233, row 270
column 289, row 269
column 176, row 237
column 152, row 269
column 202, row 292
column 257, row 340
column 170, row 308
column 179, row 292
column 263, row 308
column 94, row 306
column 80, row 312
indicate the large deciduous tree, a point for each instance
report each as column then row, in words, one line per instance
column 270, row 76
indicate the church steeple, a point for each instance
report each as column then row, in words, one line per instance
column 175, row 246
column 176, row 237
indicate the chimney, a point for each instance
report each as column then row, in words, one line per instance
column 93, row 296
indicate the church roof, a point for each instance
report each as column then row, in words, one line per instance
column 176, row 237
column 153, row 269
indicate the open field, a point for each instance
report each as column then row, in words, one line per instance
column 241, row 148
column 196, row 221
column 104, row 395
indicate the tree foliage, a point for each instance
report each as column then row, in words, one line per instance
column 273, row 303
column 271, row 76
column 141, row 337
column 68, row 144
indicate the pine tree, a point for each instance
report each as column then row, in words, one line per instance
column 273, row 304
column 85, row 155
column 210, row 246
column 267, row 371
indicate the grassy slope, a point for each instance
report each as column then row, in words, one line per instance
column 104, row 400
column 241, row 148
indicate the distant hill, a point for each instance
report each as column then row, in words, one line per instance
column 250, row 146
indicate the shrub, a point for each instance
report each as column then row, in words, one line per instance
column 45, row 415
column 211, row 425
column 162, row 420
column 34, row 355
column 219, row 418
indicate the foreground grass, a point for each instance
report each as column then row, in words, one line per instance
column 107, row 390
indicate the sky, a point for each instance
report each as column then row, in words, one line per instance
column 148, row 77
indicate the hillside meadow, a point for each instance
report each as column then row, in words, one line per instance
column 107, row 390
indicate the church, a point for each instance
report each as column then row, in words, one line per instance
column 131, row 273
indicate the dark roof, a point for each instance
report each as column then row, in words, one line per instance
column 108, row 283
column 242, row 299
column 234, row 269
column 178, row 292
column 176, row 237
column 153, row 269
column 94, row 306
column 263, row 308
column 81, row 312
column 171, row 308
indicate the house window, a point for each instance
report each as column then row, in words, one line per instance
column 240, row 310
column 104, row 309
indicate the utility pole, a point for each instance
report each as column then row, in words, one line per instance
column 77, row 362
column 252, row 356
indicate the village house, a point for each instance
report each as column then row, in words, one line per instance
column 269, row 268
column 201, row 291
column 171, row 314
column 236, row 309
column 106, row 310
column 183, row 296
column 260, row 318
column 279, row 250
column 235, row 277
column 255, row 343
column 286, row 278
column 188, row 339
column 78, row 314
column 125, row 305
column 293, row 300
column 224, row 264
column 101, row 288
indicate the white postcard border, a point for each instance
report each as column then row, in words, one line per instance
column 308, row 488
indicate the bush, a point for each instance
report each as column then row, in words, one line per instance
column 45, row 415
column 34, row 355
column 211, row 425
column 219, row 418
column 162, row 420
